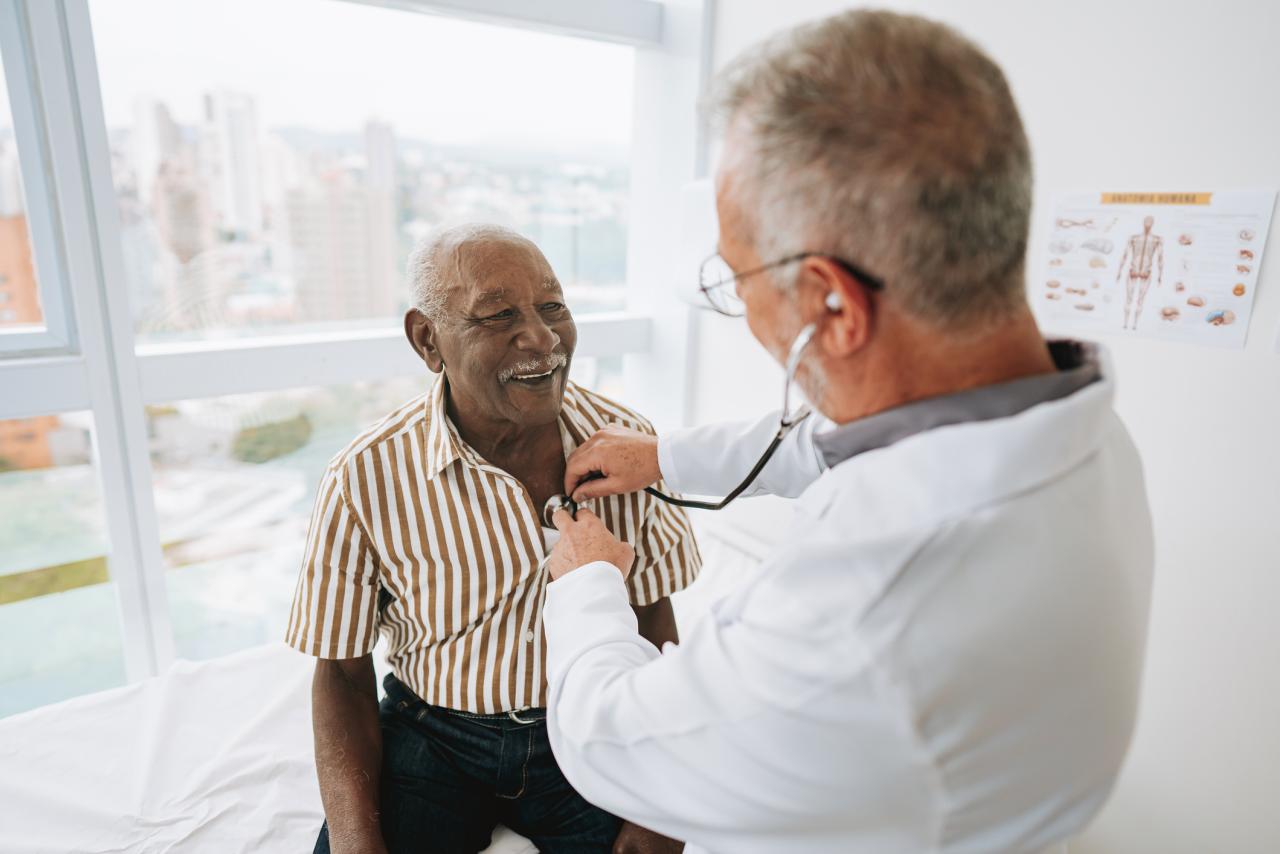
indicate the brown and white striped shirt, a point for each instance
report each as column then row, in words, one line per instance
column 416, row 537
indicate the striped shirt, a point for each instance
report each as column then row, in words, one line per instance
column 416, row 537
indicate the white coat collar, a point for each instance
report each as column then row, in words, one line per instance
column 953, row 470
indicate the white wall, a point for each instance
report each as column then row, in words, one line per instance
column 1162, row 96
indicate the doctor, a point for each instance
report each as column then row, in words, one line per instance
column 944, row 652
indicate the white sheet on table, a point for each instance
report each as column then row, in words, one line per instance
column 212, row 756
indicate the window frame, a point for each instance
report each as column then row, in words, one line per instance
column 55, row 333
column 93, row 361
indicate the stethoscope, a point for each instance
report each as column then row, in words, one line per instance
column 786, row 423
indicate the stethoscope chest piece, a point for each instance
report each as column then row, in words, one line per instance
column 558, row 502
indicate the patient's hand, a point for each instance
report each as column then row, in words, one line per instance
column 634, row 839
column 614, row 460
column 586, row 540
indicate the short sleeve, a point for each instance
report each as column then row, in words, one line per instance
column 335, row 605
column 667, row 558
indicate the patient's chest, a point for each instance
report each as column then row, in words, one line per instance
column 472, row 550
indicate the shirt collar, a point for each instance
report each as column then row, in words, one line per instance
column 444, row 446
column 1078, row 365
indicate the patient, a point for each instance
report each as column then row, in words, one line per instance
column 427, row 531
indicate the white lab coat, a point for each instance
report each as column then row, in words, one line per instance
column 943, row 655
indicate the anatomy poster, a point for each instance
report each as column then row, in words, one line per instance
column 1177, row 266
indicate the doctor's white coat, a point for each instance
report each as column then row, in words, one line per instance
column 944, row 654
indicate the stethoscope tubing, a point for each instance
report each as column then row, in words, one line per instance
column 785, row 424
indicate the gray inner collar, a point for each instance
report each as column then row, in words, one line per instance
column 1078, row 366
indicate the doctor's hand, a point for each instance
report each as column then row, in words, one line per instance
column 613, row 461
column 585, row 540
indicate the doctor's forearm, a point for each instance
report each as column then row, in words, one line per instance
column 348, row 745
column 657, row 625
column 713, row 459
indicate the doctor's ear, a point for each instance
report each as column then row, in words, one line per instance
column 843, row 303
column 849, row 316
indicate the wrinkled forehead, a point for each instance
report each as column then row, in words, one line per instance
column 495, row 270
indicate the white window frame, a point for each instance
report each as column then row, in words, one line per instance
column 93, row 362
column 56, row 331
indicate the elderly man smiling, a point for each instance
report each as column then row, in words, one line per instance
column 427, row 531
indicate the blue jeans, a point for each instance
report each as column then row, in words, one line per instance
column 449, row 777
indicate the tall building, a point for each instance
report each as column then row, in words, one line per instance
column 155, row 140
column 282, row 170
column 329, row 230
column 232, row 154
column 181, row 210
column 380, row 182
column 19, row 297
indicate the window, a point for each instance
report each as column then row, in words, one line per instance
column 234, row 481
column 235, row 478
column 261, row 188
column 218, row 206
column 60, row 627
column 18, row 290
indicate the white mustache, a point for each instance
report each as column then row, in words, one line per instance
column 533, row 366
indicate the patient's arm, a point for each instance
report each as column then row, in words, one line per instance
column 657, row 622
column 344, row 717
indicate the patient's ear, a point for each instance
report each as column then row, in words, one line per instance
column 421, row 333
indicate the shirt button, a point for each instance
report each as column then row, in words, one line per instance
column 528, row 637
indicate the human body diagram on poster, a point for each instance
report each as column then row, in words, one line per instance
column 1178, row 266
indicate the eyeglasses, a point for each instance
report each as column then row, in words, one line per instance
column 715, row 276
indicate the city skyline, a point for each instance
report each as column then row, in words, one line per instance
column 229, row 225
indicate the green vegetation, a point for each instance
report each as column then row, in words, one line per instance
column 266, row 442
column 65, row 576
column 52, row 579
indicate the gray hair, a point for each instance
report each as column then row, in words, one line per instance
column 434, row 259
column 893, row 142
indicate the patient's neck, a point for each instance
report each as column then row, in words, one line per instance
column 500, row 439
column 531, row 453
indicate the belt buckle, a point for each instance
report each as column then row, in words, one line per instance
column 515, row 716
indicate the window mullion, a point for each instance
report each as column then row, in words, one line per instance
column 80, row 164
column 208, row 369
column 666, row 156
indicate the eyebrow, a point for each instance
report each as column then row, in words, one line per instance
column 498, row 294
column 490, row 295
